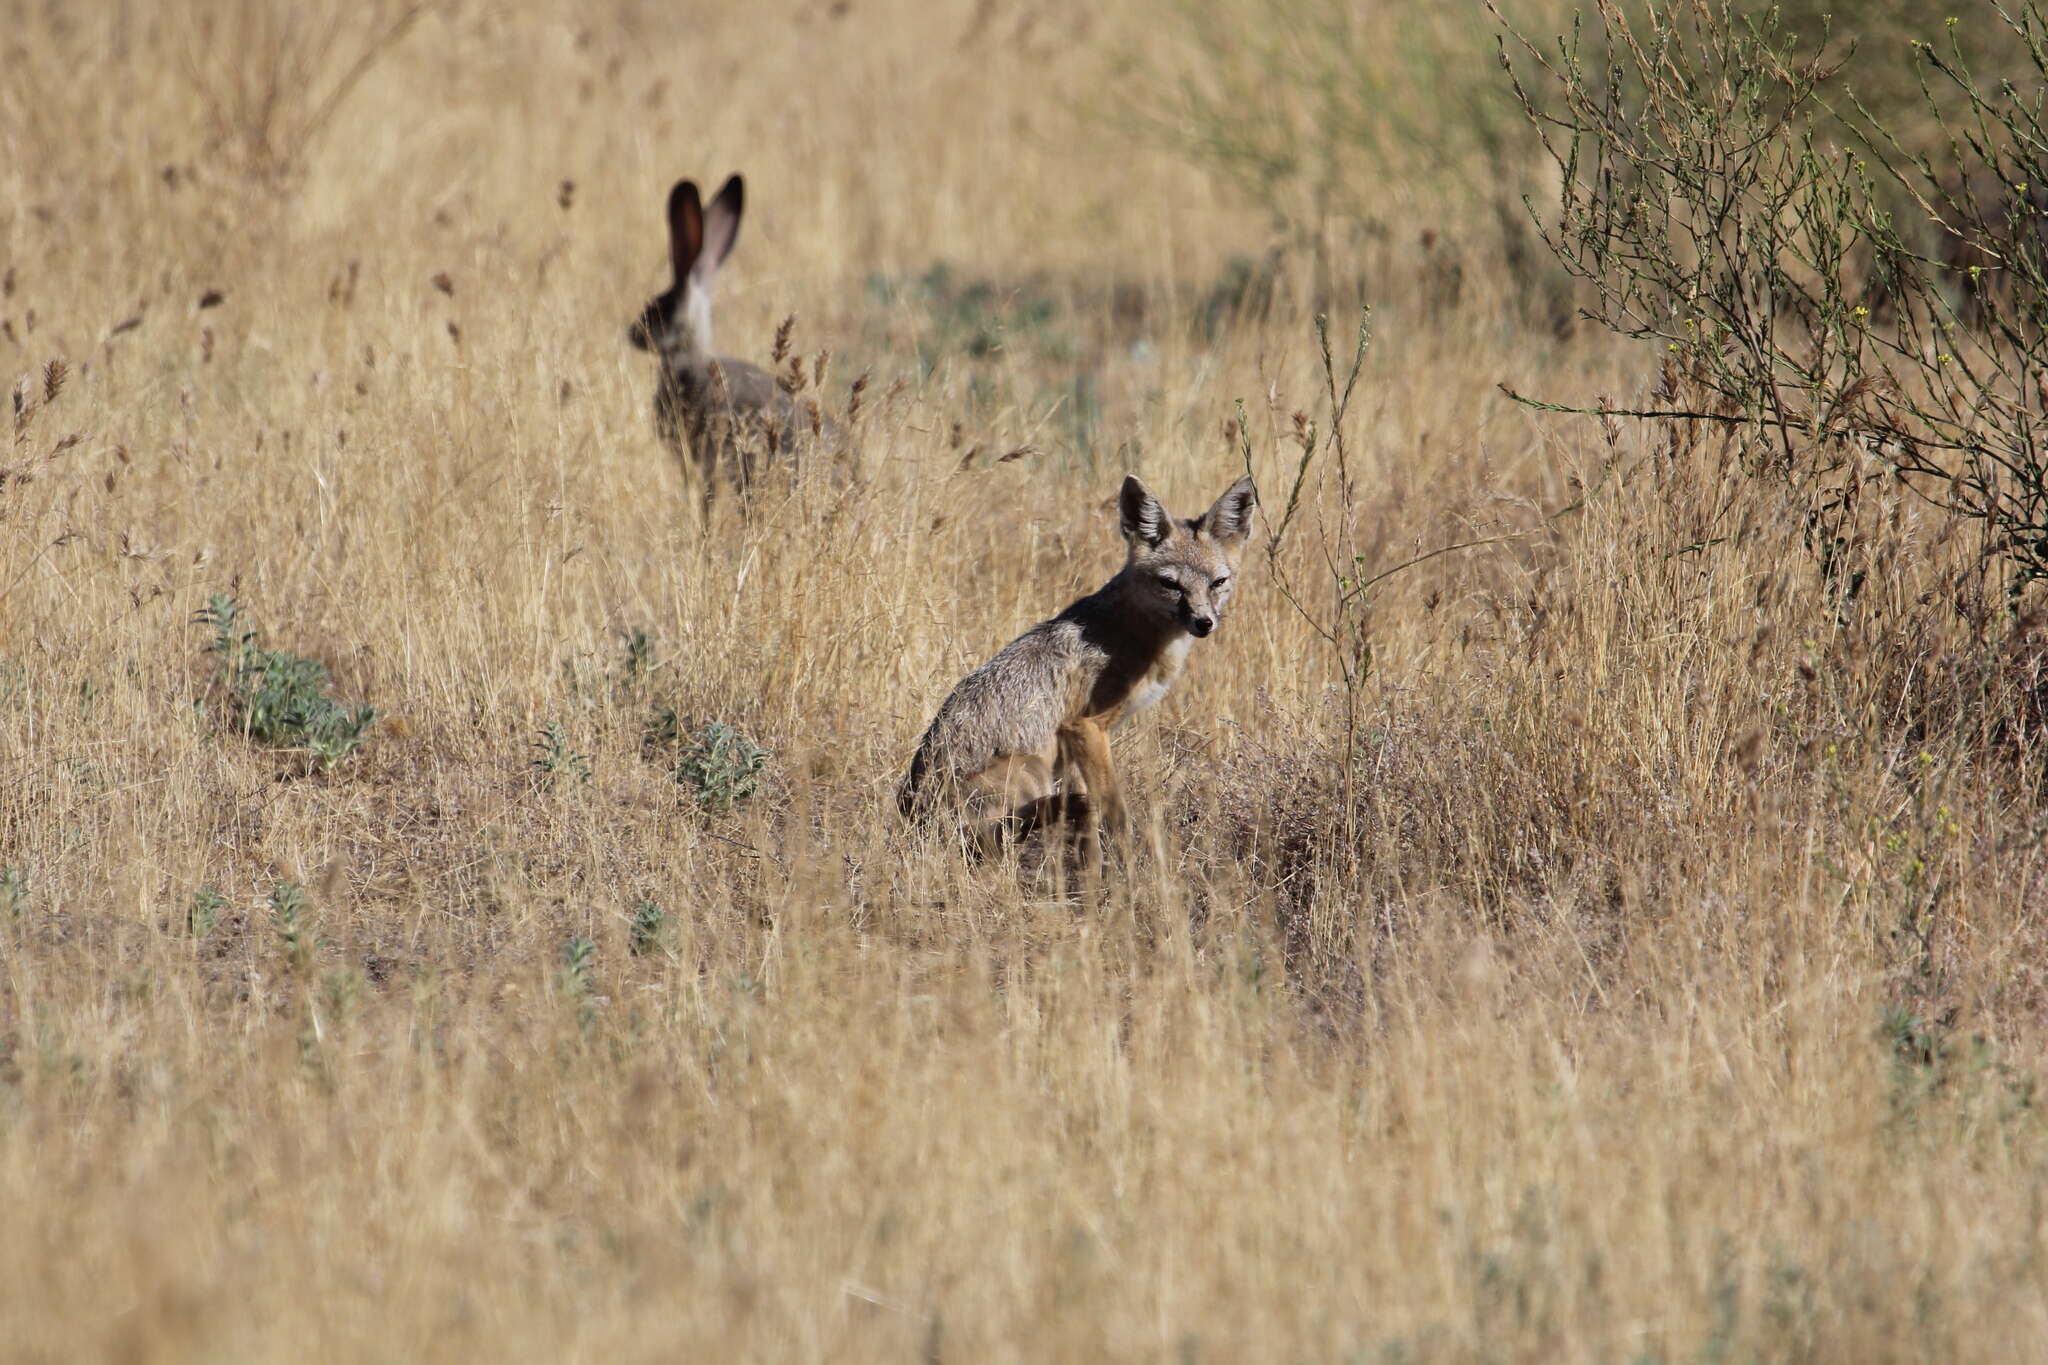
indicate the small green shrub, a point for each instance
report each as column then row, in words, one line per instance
column 13, row 892
column 578, row 953
column 650, row 930
column 579, row 983
column 721, row 765
column 203, row 914
column 292, row 918
column 553, row 757
column 279, row 698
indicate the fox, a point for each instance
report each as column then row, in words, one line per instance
column 1022, row 742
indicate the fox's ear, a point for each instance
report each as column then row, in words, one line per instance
column 1230, row 518
column 685, row 227
column 1145, row 519
column 721, row 227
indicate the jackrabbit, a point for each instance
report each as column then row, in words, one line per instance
column 719, row 412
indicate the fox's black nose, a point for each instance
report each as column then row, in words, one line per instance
column 1201, row 625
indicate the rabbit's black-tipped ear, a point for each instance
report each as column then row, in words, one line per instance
column 721, row 227
column 685, row 227
column 1229, row 519
column 1144, row 517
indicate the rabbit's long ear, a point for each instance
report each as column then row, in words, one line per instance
column 685, row 227
column 721, row 228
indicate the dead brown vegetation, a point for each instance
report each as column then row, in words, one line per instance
column 1660, row 979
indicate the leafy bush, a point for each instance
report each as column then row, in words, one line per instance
column 1723, row 195
column 553, row 756
column 650, row 930
column 203, row 914
column 721, row 765
column 292, row 920
column 279, row 698
column 579, row 978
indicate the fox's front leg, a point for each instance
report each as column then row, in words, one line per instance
column 1084, row 753
column 1088, row 755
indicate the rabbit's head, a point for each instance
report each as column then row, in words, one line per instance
column 677, row 323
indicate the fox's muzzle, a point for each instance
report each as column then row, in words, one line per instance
column 1199, row 626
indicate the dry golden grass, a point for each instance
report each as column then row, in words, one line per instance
column 1571, row 1024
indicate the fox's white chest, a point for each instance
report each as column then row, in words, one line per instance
column 1154, row 684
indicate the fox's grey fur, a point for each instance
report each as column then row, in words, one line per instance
column 1024, row 738
column 715, row 410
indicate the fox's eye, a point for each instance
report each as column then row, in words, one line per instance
column 1170, row 583
column 1219, row 582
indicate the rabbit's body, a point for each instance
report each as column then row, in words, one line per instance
column 717, row 412
column 720, row 412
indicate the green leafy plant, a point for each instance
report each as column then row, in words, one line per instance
column 579, row 962
column 553, row 757
column 203, row 914
column 721, row 765
column 650, row 930
column 279, row 698
column 292, row 919
column 13, row 891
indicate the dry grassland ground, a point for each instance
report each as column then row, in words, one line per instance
column 1608, row 944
